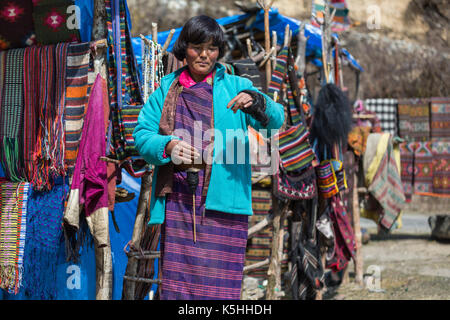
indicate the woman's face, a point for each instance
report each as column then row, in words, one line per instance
column 201, row 58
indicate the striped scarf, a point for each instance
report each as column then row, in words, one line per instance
column 45, row 70
column 278, row 74
column 11, row 115
column 76, row 100
column 13, row 217
column 125, row 96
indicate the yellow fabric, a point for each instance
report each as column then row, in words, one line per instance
column 398, row 162
column 375, row 163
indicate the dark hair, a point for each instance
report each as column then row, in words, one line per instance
column 198, row 30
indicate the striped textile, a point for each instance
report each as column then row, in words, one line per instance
column 211, row 268
column 44, row 92
column 125, row 96
column 441, row 167
column 296, row 153
column 76, row 100
column 414, row 119
column 341, row 20
column 407, row 168
column 423, row 167
column 13, row 223
column 11, row 125
column 440, row 117
column 386, row 110
column 258, row 247
column 278, row 74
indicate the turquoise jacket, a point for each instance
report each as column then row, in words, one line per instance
column 230, row 184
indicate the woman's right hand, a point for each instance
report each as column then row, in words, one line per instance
column 181, row 152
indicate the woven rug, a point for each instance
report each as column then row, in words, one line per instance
column 76, row 100
column 53, row 24
column 16, row 24
column 440, row 117
column 441, row 167
column 13, row 217
column 386, row 110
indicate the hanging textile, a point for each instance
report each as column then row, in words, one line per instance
column 247, row 68
column 44, row 231
column 441, row 167
column 52, row 22
column 47, row 158
column 344, row 246
column 440, row 118
column 13, row 218
column 307, row 275
column 89, row 190
column 16, row 24
column 407, row 168
column 423, row 167
column 341, row 20
column 278, row 74
column 386, row 110
column 76, row 100
column 125, row 96
column 382, row 177
column 11, row 113
column 414, row 119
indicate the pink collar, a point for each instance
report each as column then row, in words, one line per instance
column 187, row 81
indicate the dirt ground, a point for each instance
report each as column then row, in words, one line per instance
column 410, row 265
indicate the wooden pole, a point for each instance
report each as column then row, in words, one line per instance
column 103, row 258
column 274, row 272
column 266, row 7
column 128, row 291
column 301, row 49
column 358, row 236
column 168, row 40
column 155, row 32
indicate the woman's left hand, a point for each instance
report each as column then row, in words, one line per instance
column 241, row 101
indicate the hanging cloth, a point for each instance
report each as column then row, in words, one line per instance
column 125, row 96
column 11, row 113
column 13, row 218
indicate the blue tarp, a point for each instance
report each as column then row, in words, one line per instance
column 277, row 23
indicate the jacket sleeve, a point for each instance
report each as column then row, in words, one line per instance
column 273, row 110
column 149, row 142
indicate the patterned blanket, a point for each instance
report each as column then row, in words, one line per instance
column 407, row 168
column 383, row 177
column 13, row 218
column 440, row 117
column 423, row 167
column 386, row 110
column 414, row 119
column 16, row 24
column 441, row 167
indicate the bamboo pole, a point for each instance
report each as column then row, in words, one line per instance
column 128, row 292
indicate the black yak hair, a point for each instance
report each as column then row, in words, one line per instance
column 332, row 119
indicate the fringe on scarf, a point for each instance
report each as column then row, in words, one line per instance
column 11, row 159
column 11, row 278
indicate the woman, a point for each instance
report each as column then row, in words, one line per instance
column 184, row 125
